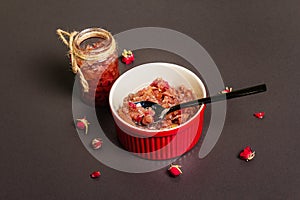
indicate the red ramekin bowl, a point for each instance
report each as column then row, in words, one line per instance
column 157, row 144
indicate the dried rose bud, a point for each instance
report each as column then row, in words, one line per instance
column 95, row 174
column 247, row 154
column 175, row 170
column 259, row 115
column 127, row 57
column 82, row 124
column 226, row 90
column 97, row 143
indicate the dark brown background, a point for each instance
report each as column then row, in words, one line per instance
column 250, row 41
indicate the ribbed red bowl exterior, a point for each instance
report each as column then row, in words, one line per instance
column 164, row 144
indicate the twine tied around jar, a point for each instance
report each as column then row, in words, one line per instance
column 75, row 67
column 76, row 38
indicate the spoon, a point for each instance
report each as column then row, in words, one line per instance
column 161, row 112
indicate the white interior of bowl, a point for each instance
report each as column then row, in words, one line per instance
column 143, row 75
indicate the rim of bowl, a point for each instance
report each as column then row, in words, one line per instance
column 114, row 111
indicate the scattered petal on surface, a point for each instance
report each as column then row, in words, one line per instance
column 175, row 170
column 259, row 115
column 95, row 174
column 226, row 90
column 82, row 124
column 97, row 143
column 127, row 57
column 247, row 154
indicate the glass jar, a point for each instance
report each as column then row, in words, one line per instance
column 94, row 51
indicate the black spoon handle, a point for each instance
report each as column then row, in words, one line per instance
column 221, row 97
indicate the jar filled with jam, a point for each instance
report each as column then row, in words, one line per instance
column 94, row 57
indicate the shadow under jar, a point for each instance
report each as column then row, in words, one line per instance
column 97, row 57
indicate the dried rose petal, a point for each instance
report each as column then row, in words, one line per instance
column 259, row 115
column 247, row 154
column 127, row 57
column 132, row 105
column 175, row 170
column 226, row 90
column 139, row 118
column 160, row 84
column 95, row 174
column 82, row 124
column 97, row 143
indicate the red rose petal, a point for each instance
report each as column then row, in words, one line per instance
column 247, row 154
column 80, row 125
column 132, row 105
column 95, row 174
column 127, row 57
column 139, row 118
column 97, row 143
column 259, row 115
column 127, row 60
column 226, row 90
column 175, row 170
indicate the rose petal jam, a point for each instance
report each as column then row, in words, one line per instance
column 160, row 92
column 97, row 57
